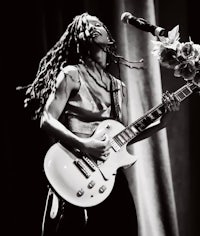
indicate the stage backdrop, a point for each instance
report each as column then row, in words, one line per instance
column 151, row 177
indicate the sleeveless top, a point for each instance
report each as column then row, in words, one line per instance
column 88, row 106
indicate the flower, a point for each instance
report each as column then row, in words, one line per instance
column 168, row 58
column 186, row 69
column 183, row 58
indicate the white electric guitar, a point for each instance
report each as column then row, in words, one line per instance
column 81, row 181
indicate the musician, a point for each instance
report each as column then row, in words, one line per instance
column 72, row 94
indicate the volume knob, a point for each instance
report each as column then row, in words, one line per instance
column 102, row 189
column 80, row 193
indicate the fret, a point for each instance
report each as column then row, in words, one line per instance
column 159, row 112
column 117, row 140
column 151, row 116
column 121, row 139
column 183, row 92
column 115, row 145
column 147, row 120
column 187, row 91
column 138, row 126
column 181, row 95
column 129, row 132
column 142, row 124
column 125, row 136
column 133, row 129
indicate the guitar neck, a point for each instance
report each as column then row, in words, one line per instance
column 131, row 131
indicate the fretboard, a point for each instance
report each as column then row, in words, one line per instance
column 131, row 131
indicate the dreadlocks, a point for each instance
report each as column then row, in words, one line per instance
column 71, row 48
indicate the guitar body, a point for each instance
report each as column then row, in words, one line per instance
column 81, row 181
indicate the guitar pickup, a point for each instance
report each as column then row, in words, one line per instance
column 80, row 165
column 89, row 163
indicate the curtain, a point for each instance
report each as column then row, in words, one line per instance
column 150, row 178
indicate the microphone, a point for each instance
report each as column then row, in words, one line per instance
column 143, row 24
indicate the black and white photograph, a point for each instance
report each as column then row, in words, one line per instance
column 101, row 111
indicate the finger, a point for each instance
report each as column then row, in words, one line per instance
column 100, row 134
column 166, row 101
column 106, row 142
column 105, row 138
column 105, row 155
column 175, row 104
column 103, row 145
column 170, row 97
column 165, row 97
column 170, row 101
column 102, row 158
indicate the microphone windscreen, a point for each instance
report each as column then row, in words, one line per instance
column 125, row 17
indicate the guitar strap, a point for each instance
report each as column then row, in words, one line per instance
column 116, row 96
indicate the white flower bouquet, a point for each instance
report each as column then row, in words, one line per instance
column 183, row 58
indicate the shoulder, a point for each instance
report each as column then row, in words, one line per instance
column 68, row 77
column 71, row 71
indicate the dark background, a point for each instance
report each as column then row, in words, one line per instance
column 28, row 30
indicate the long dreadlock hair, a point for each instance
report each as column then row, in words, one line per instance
column 70, row 49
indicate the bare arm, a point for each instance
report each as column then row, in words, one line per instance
column 53, row 109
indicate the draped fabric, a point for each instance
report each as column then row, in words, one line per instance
column 150, row 178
